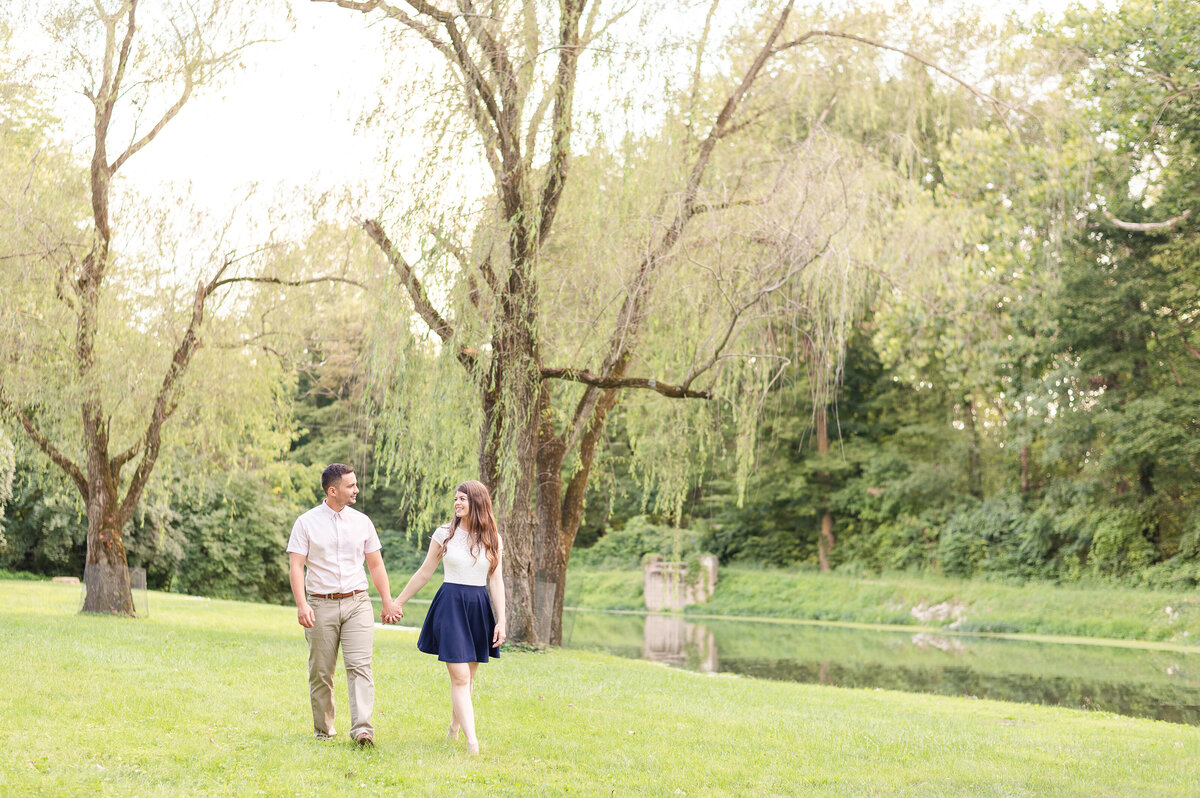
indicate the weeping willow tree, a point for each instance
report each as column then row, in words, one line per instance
column 672, row 269
column 109, row 296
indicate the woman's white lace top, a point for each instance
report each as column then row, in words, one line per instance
column 463, row 567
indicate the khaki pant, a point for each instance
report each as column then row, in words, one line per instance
column 351, row 623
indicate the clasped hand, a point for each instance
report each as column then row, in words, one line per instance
column 392, row 612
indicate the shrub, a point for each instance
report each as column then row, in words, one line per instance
column 625, row 547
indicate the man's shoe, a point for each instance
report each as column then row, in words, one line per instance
column 364, row 741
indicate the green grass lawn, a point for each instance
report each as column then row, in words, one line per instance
column 954, row 604
column 210, row 698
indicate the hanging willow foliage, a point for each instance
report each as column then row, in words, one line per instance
column 603, row 218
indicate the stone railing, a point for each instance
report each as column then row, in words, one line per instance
column 668, row 586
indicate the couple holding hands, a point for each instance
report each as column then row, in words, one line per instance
column 463, row 627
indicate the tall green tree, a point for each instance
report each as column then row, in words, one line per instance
column 100, row 333
column 1129, row 304
column 543, row 376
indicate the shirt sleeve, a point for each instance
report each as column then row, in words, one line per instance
column 372, row 544
column 298, row 542
column 499, row 544
column 440, row 535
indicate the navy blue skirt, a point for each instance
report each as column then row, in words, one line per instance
column 459, row 624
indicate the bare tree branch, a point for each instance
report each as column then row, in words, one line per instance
column 598, row 381
column 170, row 114
column 430, row 10
column 329, row 278
column 995, row 102
column 164, row 405
column 49, row 449
column 1166, row 104
column 123, row 58
column 1147, row 227
column 416, row 292
column 633, row 309
column 483, row 91
column 570, row 12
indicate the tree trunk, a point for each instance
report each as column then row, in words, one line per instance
column 825, row 541
column 825, row 536
column 561, row 511
column 513, row 492
column 106, row 573
column 509, row 446
column 551, row 549
column 974, row 459
column 1025, row 468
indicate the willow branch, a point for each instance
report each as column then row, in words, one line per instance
column 480, row 101
column 633, row 309
column 599, row 381
column 709, row 207
column 496, row 55
column 118, row 462
column 189, row 84
column 365, row 7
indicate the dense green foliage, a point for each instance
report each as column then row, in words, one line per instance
column 1018, row 397
column 1030, row 409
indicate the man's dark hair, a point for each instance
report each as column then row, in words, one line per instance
column 332, row 475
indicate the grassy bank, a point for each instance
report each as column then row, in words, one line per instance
column 209, row 698
column 1087, row 611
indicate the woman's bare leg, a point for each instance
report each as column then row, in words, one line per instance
column 460, row 701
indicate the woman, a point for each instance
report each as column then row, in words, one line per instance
column 464, row 626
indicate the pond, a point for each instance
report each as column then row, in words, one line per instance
column 1164, row 685
column 1147, row 683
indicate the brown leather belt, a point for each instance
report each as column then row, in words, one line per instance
column 336, row 595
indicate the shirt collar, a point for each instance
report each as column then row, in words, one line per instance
column 333, row 513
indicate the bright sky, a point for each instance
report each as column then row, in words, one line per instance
column 288, row 122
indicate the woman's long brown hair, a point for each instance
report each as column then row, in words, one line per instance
column 480, row 522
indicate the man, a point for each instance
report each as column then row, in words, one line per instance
column 331, row 542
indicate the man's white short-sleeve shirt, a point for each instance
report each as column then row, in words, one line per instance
column 335, row 545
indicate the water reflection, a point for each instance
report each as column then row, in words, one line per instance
column 671, row 639
column 1154, row 684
